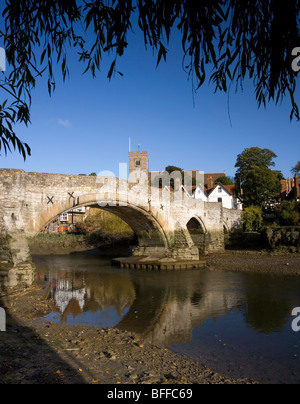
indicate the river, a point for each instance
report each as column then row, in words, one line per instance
column 238, row 324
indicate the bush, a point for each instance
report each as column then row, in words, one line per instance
column 288, row 213
column 252, row 218
column 288, row 237
column 106, row 222
column 246, row 241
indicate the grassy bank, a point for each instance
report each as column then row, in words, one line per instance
column 100, row 231
column 65, row 243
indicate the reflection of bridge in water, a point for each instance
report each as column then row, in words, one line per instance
column 167, row 312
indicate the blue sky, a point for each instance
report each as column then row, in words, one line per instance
column 86, row 125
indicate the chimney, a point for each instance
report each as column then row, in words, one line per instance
column 210, row 183
column 289, row 185
column 297, row 190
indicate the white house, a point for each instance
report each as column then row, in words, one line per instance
column 65, row 217
column 220, row 193
column 199, row 193
column 226, row 194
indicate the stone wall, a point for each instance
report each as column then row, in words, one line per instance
column 16, row 267
column 233, row 220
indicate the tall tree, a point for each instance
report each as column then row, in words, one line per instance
column 233, row 39
column 224, row 180
column 258, row 183
column 296, row 168
column 171, row 169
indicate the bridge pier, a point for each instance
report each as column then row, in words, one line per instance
column 184, row 247
column 16, row 266
column 178, row 253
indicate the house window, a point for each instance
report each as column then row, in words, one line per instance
column 79, row 210
column 64, row 217
column 220, row 189
column 137, row 163
column 220, row 200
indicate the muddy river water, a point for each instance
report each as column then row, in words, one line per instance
column 238, row 324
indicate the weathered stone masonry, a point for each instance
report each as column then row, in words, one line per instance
column 164, row 227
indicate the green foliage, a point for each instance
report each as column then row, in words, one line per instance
column 168, row 177
column 97, row 238
column 171, row 169
column 30, row 29
column 106, row 222
column 288, row 212
column 283, row 237
column 255, row 157
column 224, row 180
column 173, row 175
column 258, row 182
column 232, row 40
column 296, row 168
column 57, row 238
column 252, row 218
column 17, row 112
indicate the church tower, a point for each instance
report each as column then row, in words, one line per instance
column 138, row 164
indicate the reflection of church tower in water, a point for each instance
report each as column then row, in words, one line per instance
column 138, row 165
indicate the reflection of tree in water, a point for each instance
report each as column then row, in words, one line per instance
column 169, row 306
column 267, row 304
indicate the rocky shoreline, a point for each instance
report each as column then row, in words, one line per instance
column 34, row 351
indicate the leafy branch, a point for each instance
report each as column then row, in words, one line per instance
column 224, row 41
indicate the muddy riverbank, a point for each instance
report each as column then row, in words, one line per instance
column 35, row 351
column 276, row 263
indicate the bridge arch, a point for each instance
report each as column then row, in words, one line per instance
column 225, row 227
column 197, row 231
column 147, row 225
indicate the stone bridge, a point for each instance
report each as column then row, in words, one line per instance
column 166, row 224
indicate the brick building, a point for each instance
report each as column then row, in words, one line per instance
column 290, row 189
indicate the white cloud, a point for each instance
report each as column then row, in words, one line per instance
column 64, row 122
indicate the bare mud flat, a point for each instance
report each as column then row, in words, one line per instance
column 274, row 263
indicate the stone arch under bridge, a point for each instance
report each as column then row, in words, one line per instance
column 146, row 224
column 165, row 226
